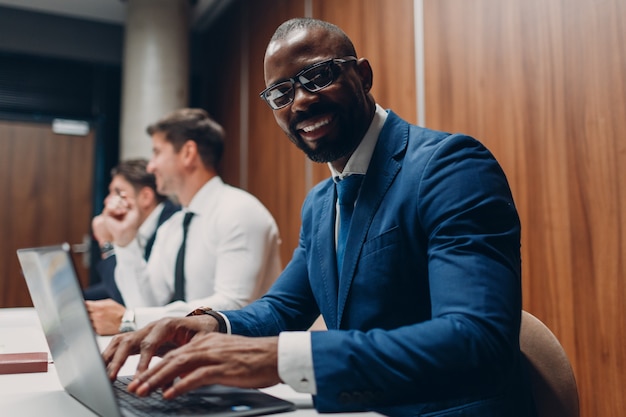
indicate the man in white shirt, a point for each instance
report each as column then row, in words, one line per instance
column 131, row 180
column 232, row 246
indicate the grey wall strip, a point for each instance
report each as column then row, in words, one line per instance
column 418, row 24
column 308, row 164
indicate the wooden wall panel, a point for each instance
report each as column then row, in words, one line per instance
column 273, row 168
column 277, row 172
column 223, row 91
column 382, row 32
column 276, row 167
column 542, row 84
column 46, row 180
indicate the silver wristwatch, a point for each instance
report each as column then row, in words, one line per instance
column 128, row 321
column 107, row 250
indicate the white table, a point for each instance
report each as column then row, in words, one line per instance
column 41, row 394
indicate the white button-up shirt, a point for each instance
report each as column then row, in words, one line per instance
column 295, row 356
column 232, row 256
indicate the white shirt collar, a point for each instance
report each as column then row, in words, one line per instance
column 360, row 158
column 204, row 195
column 149, row 225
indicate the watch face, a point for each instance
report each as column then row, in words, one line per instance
column 127, row 327
column 107, row 246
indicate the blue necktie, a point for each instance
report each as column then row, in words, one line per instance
column 347, row 191
column 179, row 272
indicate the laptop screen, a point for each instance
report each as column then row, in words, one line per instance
column 57, row 297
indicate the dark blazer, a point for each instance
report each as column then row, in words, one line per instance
column 105, row 268
column 429, row 300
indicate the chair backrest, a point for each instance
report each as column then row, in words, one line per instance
column 552, row 378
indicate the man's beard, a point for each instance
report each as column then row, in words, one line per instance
column 326, row 151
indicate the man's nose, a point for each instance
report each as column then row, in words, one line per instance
column 301, row 97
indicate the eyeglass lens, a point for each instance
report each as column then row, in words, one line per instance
column 313, row 79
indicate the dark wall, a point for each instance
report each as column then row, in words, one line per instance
column 53, row 66
column 59, row 67
column 49, row 35
column 36, row 88
column 39, row 89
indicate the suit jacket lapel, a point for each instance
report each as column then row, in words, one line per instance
column 382, row 170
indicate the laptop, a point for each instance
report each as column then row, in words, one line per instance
column 56, row 294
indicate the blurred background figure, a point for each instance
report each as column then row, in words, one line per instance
column 130, row 180
column 220, row 250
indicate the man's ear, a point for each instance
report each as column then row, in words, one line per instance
column 366, row 74
column 189, row 151
column 146, row 197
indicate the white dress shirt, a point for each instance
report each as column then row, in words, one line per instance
column 295, row 356
column 149, row 225
column 232, row 256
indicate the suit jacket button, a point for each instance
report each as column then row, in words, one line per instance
column 345, row 398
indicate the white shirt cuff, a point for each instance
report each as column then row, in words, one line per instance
column 128, row 253
column 295, row 361
column 146, row 315
column 228, row 330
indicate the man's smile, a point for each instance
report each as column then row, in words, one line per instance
column 315, row 128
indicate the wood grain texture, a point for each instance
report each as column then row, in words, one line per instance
column 542, row 84
column 276, row 169
column 276, row 166
column 382, row 32
column 47, row 183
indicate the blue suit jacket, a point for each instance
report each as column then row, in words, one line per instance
column 425, row 318
column 105, row 268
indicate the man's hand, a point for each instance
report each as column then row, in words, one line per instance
column 212, row 358
column 156, row 339
column 121, row 218
column 105, row 315
column 100, row 231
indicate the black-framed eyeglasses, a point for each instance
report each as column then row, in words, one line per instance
column 312, row 78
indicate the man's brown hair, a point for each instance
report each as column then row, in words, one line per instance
column 135, row 172
column 193, row 124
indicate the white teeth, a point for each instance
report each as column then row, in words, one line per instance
column 317, row 125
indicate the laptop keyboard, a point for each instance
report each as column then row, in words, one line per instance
column 155, row 405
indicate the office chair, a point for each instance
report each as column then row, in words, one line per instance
column 553, row 384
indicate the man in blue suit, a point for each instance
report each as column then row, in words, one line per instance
column 422, row 301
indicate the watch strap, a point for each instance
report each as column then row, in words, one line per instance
column 128, row 321
column 107, row 250
column 222, row 328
